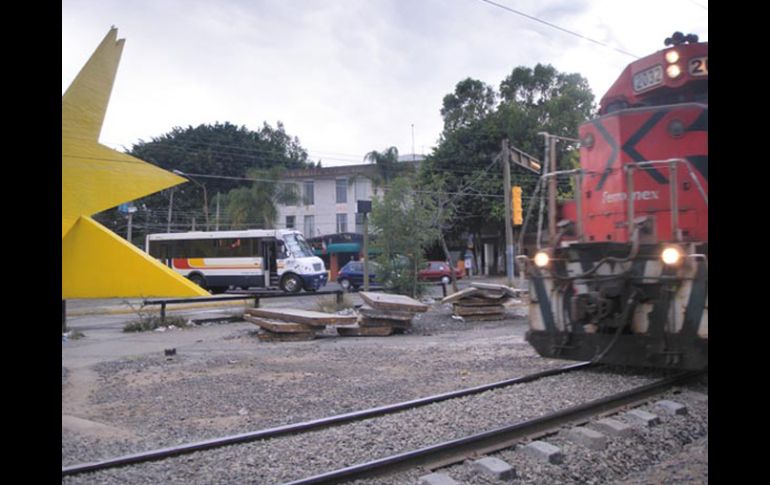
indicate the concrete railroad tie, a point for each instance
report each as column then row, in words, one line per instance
column 613, row 427
column 671, row 408
column 437, row 479
column 495, row 467
column 643, row 418
column 544, row 451
column 587, row 437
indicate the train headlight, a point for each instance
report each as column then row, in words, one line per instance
column 673, row 71
column 672, row 255
column 672, row 56
column 542, row 259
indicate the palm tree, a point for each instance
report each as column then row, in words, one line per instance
column 386, row 162
column 257, row 205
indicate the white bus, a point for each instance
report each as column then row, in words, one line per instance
column 258, row 257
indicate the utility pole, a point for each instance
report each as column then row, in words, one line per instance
column 550, row 161
column 505, row 158
column 413, row 142
column 216, row 226
column 128, row 209
column 205, row 206
column 170, row 207
column 364, row 207
column 551, row 189
column 366, row 252
column 130, row 219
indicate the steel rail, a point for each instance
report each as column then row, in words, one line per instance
column 456, row 450
column 163, row 453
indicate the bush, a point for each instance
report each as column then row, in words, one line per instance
column 399, row 276
column 149, row 321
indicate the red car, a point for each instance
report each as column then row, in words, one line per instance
column 438, row 271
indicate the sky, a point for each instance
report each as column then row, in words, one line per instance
column 345, row 76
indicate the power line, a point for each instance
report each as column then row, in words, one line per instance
column 554, row 26
column 435, row 159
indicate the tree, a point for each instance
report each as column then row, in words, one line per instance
column 441, row 207
column 401, row 234
column 556, row 102
column 531, row 101
column 386, row 163
column 222, row 150
column 471, row 101
column 256, row 206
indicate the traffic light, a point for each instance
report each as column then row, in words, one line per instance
column 516, row 205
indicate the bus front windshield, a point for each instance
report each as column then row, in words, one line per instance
column 297, row 246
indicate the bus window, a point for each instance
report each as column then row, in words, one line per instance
column 232, row 248
column 281, row 250
column 297, row 246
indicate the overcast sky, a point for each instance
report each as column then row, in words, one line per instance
column 345, row 76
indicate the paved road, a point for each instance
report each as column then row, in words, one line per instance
column 81, row 307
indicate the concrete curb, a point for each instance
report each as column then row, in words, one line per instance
column 121, row 310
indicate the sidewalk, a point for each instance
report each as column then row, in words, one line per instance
column 81, row 307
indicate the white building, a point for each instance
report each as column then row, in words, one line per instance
column 329, row 198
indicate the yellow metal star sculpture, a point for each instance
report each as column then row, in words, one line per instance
column 96, row 263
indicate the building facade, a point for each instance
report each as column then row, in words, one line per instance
column 327, row 213
column 328, row 198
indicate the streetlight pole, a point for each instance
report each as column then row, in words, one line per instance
column 205, row 195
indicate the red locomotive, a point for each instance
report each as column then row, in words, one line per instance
column 629, row 283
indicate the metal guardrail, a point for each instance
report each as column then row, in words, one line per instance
column 246, row 295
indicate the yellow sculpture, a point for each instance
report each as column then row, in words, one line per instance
column 96, row 263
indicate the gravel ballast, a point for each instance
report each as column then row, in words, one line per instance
column 236, row 384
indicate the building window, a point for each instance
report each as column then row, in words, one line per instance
column 290, row 222
column 309, row 226
column 359, row 223
column 293, row 191
column 342, row 223
column 308, row 194
column 342, row 191
column 361, row 193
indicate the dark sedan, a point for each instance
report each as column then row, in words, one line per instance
column 352, row 275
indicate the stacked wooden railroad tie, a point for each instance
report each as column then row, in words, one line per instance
column 482, row 301
column 288, row 325
column 383, row 315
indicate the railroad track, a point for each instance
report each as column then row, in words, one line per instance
column 430, row 457
column 163, row 453
column 454, row 451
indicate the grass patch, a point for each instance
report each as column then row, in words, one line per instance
column 148, row 321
